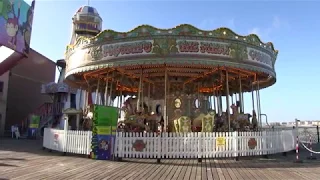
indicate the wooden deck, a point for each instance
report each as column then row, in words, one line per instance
column 24, row 159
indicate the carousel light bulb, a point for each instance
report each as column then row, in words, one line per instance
column 152, row 113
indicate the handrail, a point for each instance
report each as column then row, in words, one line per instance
column 44, row 110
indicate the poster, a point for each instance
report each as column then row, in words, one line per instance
column 34, row 125
column 16, row 17
column 105, row 120
column 220, row 141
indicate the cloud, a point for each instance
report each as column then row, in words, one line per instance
column 266, row 33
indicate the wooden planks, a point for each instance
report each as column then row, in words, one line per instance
column 24, row 160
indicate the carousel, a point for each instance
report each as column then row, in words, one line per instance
column 172, row 80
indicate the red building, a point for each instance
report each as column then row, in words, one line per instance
column 20, row 89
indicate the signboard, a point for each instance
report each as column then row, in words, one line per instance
column 252, row 143
column 220, row 141
column 34, row 121
column 203, row 48
column 105, row 122
column 259, row 57
column 129, row 48
column 16, row 18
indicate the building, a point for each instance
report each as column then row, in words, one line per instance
column 20, row 89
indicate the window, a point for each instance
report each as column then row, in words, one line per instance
column 1, row 86
column 73, row 101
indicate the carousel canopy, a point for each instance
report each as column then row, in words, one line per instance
column 193, row 59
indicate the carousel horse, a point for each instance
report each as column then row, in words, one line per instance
column 130, row 106
column 218, row 122
column 241, row 119
column 87, row 118
column 208, row 122
column 254, row 120
column 184, row 124
column 224, row 120
column 197, row 122
column 176, row 125
column 153, row 121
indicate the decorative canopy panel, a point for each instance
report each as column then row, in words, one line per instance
column 186, row 53
column 53, row 87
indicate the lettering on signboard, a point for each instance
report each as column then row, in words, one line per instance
column 188, row 46
column 214, row 48
column 260, row 57
column 128, row 48
column 204, row 47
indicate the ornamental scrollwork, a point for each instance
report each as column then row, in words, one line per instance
column 238, row 52
column 96, row 52
column 164, row 47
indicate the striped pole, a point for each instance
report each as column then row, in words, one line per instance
column 310, row 147
column 297, row 151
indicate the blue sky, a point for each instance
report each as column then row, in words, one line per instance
column 292, row 26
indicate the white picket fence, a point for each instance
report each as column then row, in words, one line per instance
column 203, row 145
column 76, row 142
column 177, row 145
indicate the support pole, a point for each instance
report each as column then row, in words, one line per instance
column 252, row 96
column 242, row 101
column 227, row 98
column 139, row 91
column 220, row 94
column 97, row 92
column 142, row 96
column 240, row 94
column 258, row 107
column 106, row 90
column 165, row 100
column 220, row 102
column 259, row 100
column 80, row 98
column 214, row 101
column 111, row 88
column 149, row 105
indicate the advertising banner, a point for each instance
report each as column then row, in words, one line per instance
column 105, row 120
column 34, row 125
column 16, row 18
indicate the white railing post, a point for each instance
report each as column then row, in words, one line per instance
column 89, row 139
column 65, row 128
column 200, row 139
column 159, row 146
column 264, row 142
column 119, row 139
column 235, row 144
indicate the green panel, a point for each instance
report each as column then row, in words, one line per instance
column 34, row 121
column 104, row 130
column 105, row 115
